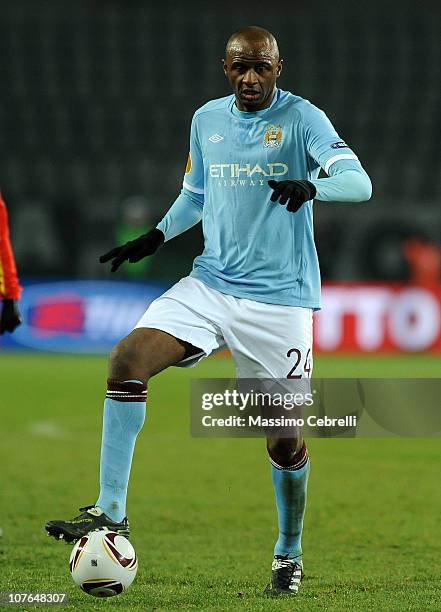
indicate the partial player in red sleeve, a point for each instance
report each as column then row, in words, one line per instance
column 10, row 289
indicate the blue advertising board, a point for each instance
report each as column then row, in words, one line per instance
column 79, row 316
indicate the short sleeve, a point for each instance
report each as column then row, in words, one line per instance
column 194, row 170
column 323, row 143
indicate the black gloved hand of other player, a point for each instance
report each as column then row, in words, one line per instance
column 10, row 317
column 295, row 193
column 134, row 250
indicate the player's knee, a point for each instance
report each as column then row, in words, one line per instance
column 126, row 361
column 283, row 450
column 121, row 356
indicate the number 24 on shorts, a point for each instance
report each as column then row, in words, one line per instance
column 296, row 354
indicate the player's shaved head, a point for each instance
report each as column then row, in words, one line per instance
column 254, row 41
column 252, row 65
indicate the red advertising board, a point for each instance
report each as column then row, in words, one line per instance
column 376, row 317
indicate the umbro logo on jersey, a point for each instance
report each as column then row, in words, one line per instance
column 216, row 138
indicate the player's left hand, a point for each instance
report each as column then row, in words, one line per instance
column 295, row 193
column 10, row 317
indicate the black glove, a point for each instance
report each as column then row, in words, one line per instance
column 134, row 250
column 295, row 193
column 10, row 317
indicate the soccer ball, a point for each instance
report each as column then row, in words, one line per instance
column 103, row 563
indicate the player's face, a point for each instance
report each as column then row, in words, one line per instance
column 252, row 72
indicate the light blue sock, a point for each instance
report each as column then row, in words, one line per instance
column 123, row 418
column 290, row 490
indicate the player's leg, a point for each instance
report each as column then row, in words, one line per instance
column 169, row 333
column 290, row 472
column 175, row 328
column 276, row 343
column 133, row 361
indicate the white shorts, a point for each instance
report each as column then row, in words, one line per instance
column 265, row 340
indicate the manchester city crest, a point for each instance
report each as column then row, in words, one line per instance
column 273, row 136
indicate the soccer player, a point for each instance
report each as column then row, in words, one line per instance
column 251, row 176
column 10, row 289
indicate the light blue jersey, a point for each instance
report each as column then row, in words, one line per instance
column 254, row 248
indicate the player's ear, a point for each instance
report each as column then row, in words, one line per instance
column 279, row 67
column 224, row 66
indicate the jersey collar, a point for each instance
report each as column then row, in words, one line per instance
column 253, row 115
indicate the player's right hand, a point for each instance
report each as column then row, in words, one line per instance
column 134, row 250
column 10, row 316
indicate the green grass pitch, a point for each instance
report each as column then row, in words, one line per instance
column 202, row 511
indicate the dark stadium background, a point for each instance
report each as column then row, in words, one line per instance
column 97, row 98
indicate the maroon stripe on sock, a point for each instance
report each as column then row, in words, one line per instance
column 299, row 460
column 126, row 391
column 126, row 398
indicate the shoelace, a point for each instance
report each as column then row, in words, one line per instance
column 83, row 511
column 285, row 571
